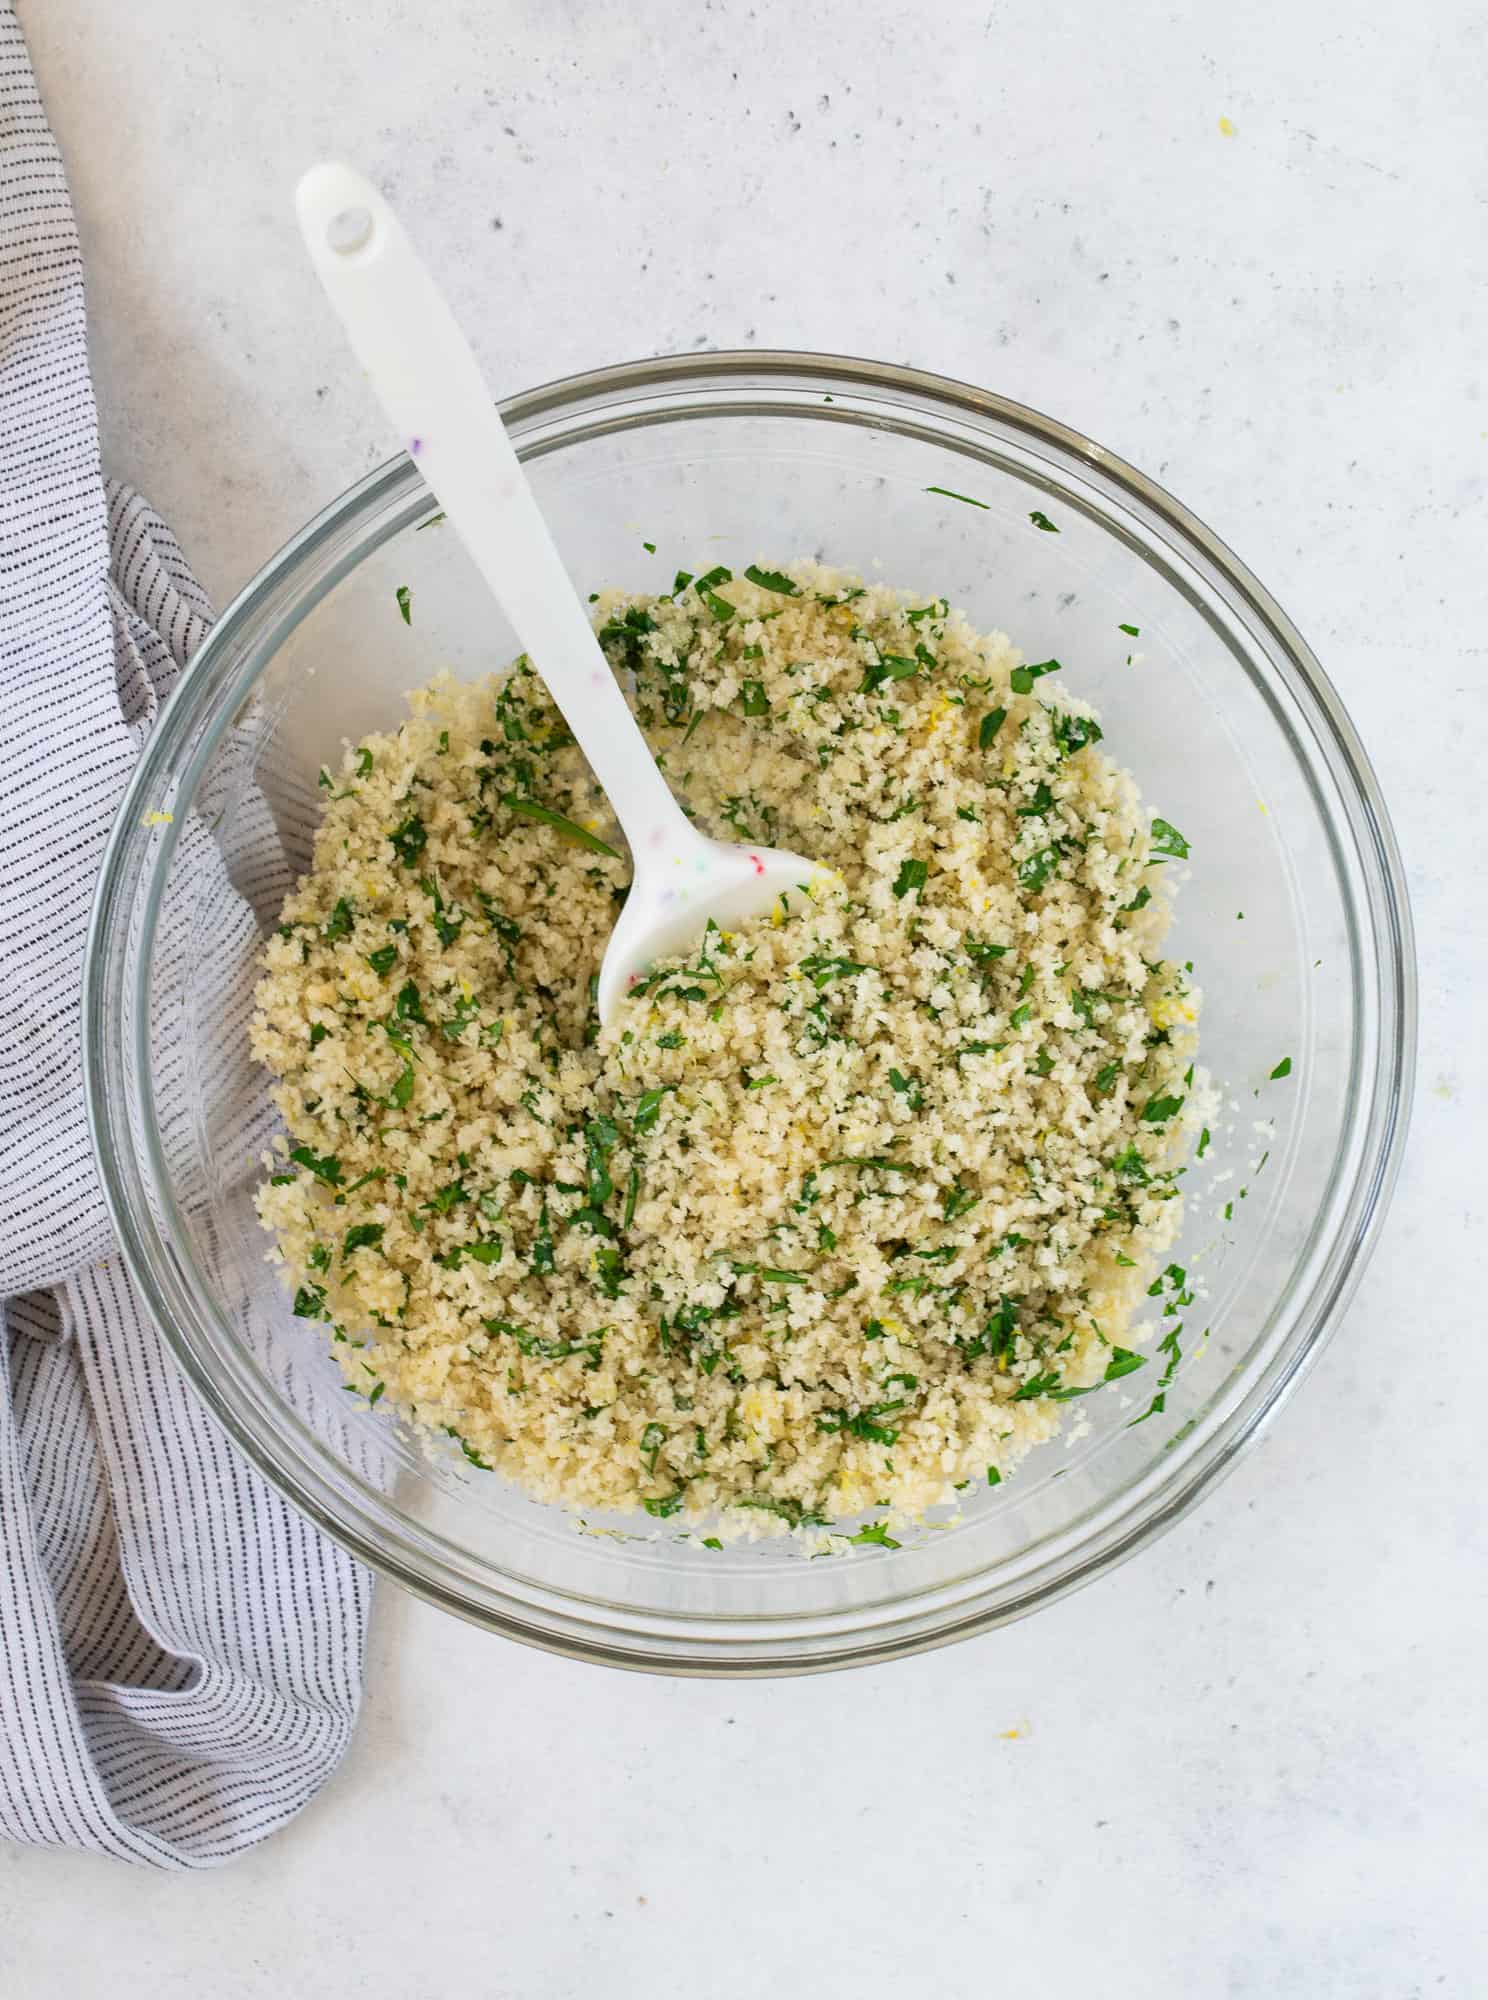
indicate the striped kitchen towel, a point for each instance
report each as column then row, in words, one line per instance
column 180, row 1653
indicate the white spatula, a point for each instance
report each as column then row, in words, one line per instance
column 426, row 378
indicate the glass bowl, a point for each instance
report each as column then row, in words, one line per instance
column 1218, row 707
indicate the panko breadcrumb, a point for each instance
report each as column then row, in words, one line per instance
column 843, row 1206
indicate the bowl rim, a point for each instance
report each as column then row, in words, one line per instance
column 754, row 1647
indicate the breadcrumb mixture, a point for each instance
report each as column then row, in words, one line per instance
column 844, row 1206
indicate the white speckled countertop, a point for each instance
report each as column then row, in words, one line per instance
column 1248, row 249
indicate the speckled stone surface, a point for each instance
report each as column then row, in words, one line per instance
column 1255, row 1761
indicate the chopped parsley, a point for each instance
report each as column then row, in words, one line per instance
column 449, row 1430
column 1045, row 1383
column 1158, row 1110
column 409, row 840
column 326, row 1170
column 1074, row 733
column 888, row 667
column 912, row 875
column 957, row 1201
column 1035, row 871
column 1023, row 678
column 876, row 1534
column 648, row 1108
column 771, row 579
column 526, row 808
column 822, row 971
column 907, row 1088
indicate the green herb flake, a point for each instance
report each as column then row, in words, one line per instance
column 543, row 1261
column 769, row 1274
column 965, row 498
column 1166, row 839
column 957, row 1201
column 984, row 955
column 449, row 1430
column 648, row 1107
column 1041, row 520
column 887, row 667
column 876, row 1534
column 1035, row 871
column 405, row 600
column 1023, row 678
column 1283, row 1068
column 526, row 808
column 1123, row 1362
column 912, row 875
column 327, row 1170
column 990, row 723
column 409, row 1004
column 823, row 971
column 771, row 579
column 409, row 840
column 1158, row 1110
column 1074, row 733
column 907, row 1088
column 1045, row 1383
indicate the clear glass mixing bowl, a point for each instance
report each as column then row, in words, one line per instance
column 1234, row 735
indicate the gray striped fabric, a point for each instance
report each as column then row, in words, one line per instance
column 180, row 1653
